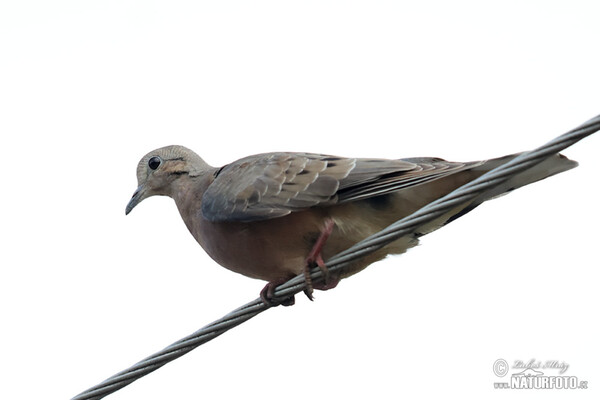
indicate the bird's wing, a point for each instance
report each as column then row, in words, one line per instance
column 272, row 185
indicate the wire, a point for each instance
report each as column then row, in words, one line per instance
column 405, row 226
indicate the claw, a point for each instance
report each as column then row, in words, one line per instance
column 314, row 258
column 267, row 295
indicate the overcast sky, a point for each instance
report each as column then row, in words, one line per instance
column 88, row 87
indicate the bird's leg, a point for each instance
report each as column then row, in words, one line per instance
column 267, row 294
column 314, row 258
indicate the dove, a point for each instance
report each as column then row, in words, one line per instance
column 273, row 216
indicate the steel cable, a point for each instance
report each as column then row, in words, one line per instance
column 405, row 226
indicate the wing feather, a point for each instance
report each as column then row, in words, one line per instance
column 272, row 185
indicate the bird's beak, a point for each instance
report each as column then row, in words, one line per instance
column 137, row 197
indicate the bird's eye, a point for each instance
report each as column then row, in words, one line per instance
column 154, row 162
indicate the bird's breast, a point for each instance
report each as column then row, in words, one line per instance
column 270, row 250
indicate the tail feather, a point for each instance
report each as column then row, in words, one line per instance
column 552, row 165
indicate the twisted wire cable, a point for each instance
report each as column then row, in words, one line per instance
column 405, row 226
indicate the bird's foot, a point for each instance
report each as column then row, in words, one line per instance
column 267, row 295
column 314, row 258
column 327, row 284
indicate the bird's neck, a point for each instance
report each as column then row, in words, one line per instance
column 187, row 193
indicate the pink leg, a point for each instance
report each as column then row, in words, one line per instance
column 267, row 294
column 314, row 258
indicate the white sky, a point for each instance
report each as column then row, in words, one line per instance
column 88, row 87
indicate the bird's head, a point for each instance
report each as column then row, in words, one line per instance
column 159, row 170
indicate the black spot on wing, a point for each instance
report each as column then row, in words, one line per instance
column 219, row 170
column 379, row 203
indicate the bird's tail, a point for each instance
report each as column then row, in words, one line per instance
column 552, row 165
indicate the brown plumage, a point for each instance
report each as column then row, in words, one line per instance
column 260, row 216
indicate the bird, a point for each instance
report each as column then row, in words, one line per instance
column 274, row 216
